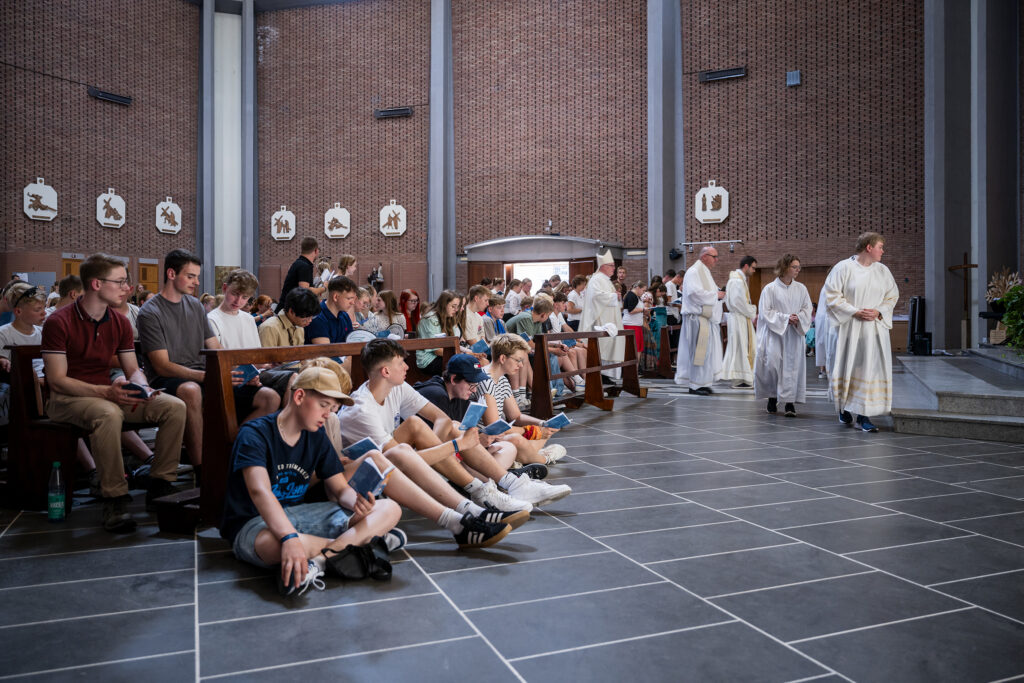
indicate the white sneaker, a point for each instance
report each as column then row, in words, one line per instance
column 490, row 495
column 538, row 492
column 314, row 579
column 579, row 382
column 552, row 453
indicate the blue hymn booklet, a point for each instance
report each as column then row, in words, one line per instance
column 496, row 427
column 559, row 421
column 369, row 479
column 248, row 372
column 360, row 448
column 474, row 412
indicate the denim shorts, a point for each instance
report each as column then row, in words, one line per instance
column 326, row 520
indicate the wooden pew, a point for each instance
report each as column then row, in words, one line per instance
column 666, row 353
column 220, row 426
column 541, row 405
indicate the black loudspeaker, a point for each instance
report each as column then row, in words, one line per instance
column 915, row 323
column 922, row 344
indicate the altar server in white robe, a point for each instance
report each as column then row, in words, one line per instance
column 699, row 360
column 861, row 294
column 738, row 365
column 780, row 372
column 601, row 306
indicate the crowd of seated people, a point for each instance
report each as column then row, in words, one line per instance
column 114, row 353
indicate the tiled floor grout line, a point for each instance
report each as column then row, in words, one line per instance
column 835, row 521
column 64, row 529
column 546, row 598
column 618, row 641
column 92, row 550
column 668, row 528
column 195, row 599
column 937, row 495
column 348, row 655
column 722, row 552
column 971, row 519
column 307, row 609
column 888, row 623
column 505, row 564
column 91, row 665
column 629, row 488
column 975, row 578
column 468, row 621
column 908, row 545
column 880, row 570
column 790, row 585
column 11, row 523
column 96, row 578
column 781, row 502
column 93, row 616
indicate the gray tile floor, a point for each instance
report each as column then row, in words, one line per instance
column 705, row 541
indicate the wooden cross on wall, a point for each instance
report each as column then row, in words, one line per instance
column 965, row 328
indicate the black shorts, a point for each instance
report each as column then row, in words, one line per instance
column 244, row 395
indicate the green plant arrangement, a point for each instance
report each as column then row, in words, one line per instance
column 1013, row 318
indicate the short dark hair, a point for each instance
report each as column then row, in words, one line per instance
column 380, row 351
column 671, row 273
column 487, row 282
column 176, row 259
column 559, row 297
column 747, row 261
column 302, row 303
column 72, row 283
column 308, row 245
column 342, row 284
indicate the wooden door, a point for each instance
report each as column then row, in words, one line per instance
column 149, row 276
column 813, row 278
column 754, row 283
column 584, row 267
column 69, row 266
column 478, row 270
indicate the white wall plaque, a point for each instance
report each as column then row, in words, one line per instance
column 40, row 201
column 337, row 222
column 392, row 219
column 711, row 204
column 168, row 217
column 110, row 209
column 282, row 224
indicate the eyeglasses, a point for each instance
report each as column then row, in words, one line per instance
column 30, row 292
column 123, row 282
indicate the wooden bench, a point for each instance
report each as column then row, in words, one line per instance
column 220, row 426
column 596, row 393
column 666, row 353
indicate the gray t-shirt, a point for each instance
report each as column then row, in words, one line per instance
column 180, row 328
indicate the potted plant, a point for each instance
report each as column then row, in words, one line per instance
column 1013, row 318
column 1001, row 283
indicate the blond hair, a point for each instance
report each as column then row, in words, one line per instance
column 15, row 291
column 508, row 344
column 868, row 239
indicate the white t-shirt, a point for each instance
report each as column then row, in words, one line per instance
column 367, row 418
column 234, row 331
column 557, row 321
column 474, row 326
column 11, row 337
column 577, row 300
column 512, row 299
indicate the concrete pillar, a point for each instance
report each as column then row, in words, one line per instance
column 250, row 225
column 666, row 195
column 995, row 147
column 441, row 255
column 947, row 179
column 205, row 173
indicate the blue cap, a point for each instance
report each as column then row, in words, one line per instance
column 466, row 366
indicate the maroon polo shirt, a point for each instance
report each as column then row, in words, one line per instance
column 88, row 344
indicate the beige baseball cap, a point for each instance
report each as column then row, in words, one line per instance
column 322, row 381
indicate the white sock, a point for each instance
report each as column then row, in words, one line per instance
column 469, row 506
column 473, row 486
column 508, row 481
column 450, row 520
column 321, row 562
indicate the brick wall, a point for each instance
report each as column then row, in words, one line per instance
column 550, row 119
column 810, row 167
column 321, row 71
column 147, row 49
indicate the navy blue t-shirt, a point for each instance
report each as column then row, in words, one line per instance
column 259, row 444
column 326, row 324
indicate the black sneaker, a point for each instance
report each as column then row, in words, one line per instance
column 534, row 470
column 514, row 518
column 116, row 518
column 790, row 410
column 157, row 488
column 845, row 418
column 313, row 580
column 865, row 424
column 773, row 405
column 476, row 533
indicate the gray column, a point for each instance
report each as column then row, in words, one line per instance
column 666, row 194
column 947, row 181
column 250, row 224
column 995, row 146
column 204, row 189
column 441, row 200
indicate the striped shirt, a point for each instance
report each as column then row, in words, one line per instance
column 500, row 391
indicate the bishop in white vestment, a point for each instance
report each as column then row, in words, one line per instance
column 699, row 361
column 861, row 294
column 601, row 306
column 738, row 365
column 785, row 316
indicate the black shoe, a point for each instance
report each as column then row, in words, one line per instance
column 157, row 488
column 773, row 405
column 514, row 518
column 705, row 391
column 865, row 424
column 790, row 410
column 607, row 380
column 476, row 533
column 533, row 471
column 845, row 418
column 314, row 579
column 116, row 518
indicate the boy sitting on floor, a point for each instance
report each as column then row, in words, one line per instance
column 274, row 460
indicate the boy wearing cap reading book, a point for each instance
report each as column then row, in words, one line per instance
column 274, row 461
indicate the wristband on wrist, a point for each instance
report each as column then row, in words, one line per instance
column 455, row 445
column 288, row 537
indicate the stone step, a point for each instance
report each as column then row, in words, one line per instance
column 959, row 425
column 980, row 404
column 965, row 385
column 1002, row 359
